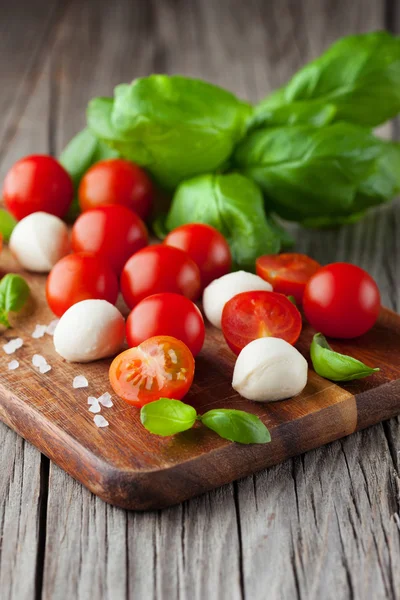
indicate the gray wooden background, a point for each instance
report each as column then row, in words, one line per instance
column 319, row 526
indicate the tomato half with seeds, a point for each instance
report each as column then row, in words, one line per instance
column 160, row 367
column 287, row 273
column 252, row 315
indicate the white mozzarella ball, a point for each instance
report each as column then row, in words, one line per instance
column 217, row 294
column 39, row 241
column 269, row 369
column 89, row 330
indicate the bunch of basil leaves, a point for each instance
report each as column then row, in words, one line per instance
column 306, row 153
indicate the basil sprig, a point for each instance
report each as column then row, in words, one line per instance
column 7, row 224
column 167, row 417
column 14, row 292
column 335, row 366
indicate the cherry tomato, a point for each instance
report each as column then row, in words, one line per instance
column 160, row 367
column 158, row 269
column 78, row 277
column 166, row 314
column 252, row 315
column 341, row 301
column 116, row 181
column 287, row 273
column 113, row 232
column 206, row 246
column 37, row 183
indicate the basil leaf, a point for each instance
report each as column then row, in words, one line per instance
column 292, row 299
column 233, row 204
column 358, row 78
column 327, row 173
column 167, row 417
column 335, row 366
column 14, row 292
column 7, row 224
column 236, row 426
column 174, row 126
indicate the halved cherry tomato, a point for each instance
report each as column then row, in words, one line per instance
column 160, row 367
column 166, row 314
column 253, row 315
column 113, row 232
column 342, row 301
column 206, row 246
column 157, row 269
column 77, row 277
column 116, row 181
column 287, row 273
column 37, row 183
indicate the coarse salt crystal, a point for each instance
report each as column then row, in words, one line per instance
column 18, row 343
column 38, row 360
column 95, row 406
column 80, row 382
column 12, row 345
column 91, row 399
column 14, row 364
column 39, row 332
column 105, row 400
column 51, row 327
column 44, row 368
column 100, row 421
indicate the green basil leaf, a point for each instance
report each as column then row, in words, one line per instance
column 328, row 173
column 335, row 366
column 14, row 292
column 167, row 417
column 292, row 299
column 236, row 426
column 7, row 224
column 174, row 126
column 231, row 203
column 359, row 76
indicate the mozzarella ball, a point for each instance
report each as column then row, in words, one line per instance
column 217, row 294
column 89, row 330
column 269, row 369
column 39, row 241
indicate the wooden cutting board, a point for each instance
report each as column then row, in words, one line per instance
column 128, row 467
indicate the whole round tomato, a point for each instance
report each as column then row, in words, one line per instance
column 341, row 301
column 37, row 183
column 160, row 367
column 77, row 277
column 113, row 232
column 287, row 273
column 206, row 246
column 166, row 314
column 157, row 269
column 252, row 315
column 116, row 181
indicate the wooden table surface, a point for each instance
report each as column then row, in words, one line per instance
column 320, row 526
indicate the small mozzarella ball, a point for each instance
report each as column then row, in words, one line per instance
column 269, row 369
column 217, row 294
column 39, row 241
column 89, row 330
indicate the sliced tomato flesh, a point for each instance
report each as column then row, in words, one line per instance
column 252, row 315
column 160, row 367
column 287, row 273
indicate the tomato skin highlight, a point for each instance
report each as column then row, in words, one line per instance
column 116, row 181
column 113, row 232
column 288, row 273
column 206, row 246
column 160, row 367
column 77, row 277
column 157, row 269
column 166, row 314
column 252, row 315
column 342, row 301
column 37, row 183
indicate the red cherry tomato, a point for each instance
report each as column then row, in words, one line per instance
column 166, row 314
column 78, row 277
column 113, row 232
column 341, row 301
column 116, row 181
column 287, row 273
column 157, row 269
column 252, row 315
column 37, row 183
column 206, row 246
column 161, row 367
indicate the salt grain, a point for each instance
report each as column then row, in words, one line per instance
column 14, row 364
column 100, row 421
column 12, row 345
column 44, row 368
column 91, row 399
column 80, row 382
column 51, row 327
column 18, row 343
column 39, row 332
column 105, row 400
column 95, row 406
column 38, row 360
